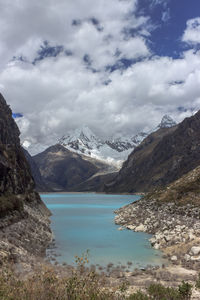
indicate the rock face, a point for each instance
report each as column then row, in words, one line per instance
column 24, row 219
column 161, row 158
column 41, row 186
column 62, row 169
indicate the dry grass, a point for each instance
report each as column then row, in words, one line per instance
column 182, row 191
column 46, row 284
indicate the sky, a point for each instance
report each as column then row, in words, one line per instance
column 116, row 66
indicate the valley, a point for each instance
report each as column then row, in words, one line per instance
column 164, row 167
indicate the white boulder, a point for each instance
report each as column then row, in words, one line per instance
column 195, row 250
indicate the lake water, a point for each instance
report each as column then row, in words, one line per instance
column 86, row 221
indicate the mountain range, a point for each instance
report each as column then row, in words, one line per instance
column 83, row 162
column 112, row 151
column 163, row 157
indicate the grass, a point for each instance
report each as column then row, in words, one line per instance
column 182, row 191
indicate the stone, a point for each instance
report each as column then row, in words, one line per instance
column 156, row 246
column 152, row 241
column 174, row 258
column 191, row 236
column 141, row 227
column 187, row 257
column 193, row 258
column 121, row 228
column 195, row 250
column 167, row 238
column 130, row 227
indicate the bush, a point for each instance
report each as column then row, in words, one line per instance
column 158, row 292
column 138, row 296
column 45, row 284
column 197, row 285
column 185, row 290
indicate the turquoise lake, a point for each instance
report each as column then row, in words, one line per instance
column 86, row 221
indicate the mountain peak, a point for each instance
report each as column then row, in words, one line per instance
column 84, row 132
column 166, row 122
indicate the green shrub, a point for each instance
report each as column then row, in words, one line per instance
column 159, row 292
column 138, row 296
column 197, row 285
column 185, row 290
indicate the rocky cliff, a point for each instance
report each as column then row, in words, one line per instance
column 161, row 158
column 24, row 223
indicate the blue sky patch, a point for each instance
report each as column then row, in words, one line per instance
column 17, row 115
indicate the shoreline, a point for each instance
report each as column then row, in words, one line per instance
column 175, row 229
column 138, row 279
column 89, row 192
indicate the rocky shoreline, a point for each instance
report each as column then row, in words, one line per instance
column 24, row 236
column 175, row 228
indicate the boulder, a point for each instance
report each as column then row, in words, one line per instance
column 141, row 227
column 187, row 257
column 174, row 258
column 195, row 250
column 130, row 227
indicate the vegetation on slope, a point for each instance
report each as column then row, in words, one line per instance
column 47, row 285
column 185, row 190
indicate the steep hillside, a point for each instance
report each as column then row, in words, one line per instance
column 40, row 185
column 95, row 183
column 62, row 169
column 185, row 190
column 162, row 157
column 24, row 224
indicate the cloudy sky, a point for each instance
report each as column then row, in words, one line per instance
column 116, row 66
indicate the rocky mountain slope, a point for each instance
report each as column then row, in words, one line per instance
column 161, row 158
column 24, row 223
column 63, row 170
column 40, row 184
column 171, row 214
column 95, row 183
column 113, row 150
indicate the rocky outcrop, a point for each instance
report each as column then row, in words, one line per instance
column 24, row 223
column 161, row 158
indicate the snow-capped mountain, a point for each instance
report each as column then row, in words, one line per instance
column 84, row 141
column 113, row 151
column 166, row 122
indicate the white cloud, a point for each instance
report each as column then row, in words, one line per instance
column 61, row 93
column 192, row 32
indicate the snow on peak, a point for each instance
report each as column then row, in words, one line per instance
column 166, row 122
column 111, row 150
column 114, row 150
